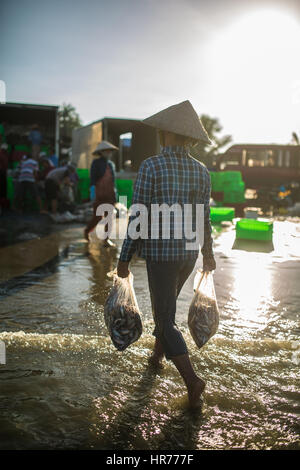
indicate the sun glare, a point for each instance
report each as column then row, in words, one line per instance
column 252, row 289
column 253, row 64
column 260, row 36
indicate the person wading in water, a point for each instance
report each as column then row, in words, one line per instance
column 172, row 177
column 103, row 183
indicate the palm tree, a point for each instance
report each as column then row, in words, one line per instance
column 208, row 154
column 295, row 138
column 68, row 120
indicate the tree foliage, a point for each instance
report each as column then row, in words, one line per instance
column 68, row 120
column 208, row 153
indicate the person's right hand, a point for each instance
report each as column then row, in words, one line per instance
column 209, row 264
column 122, row 269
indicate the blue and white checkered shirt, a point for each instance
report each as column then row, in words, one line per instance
column 172, row 177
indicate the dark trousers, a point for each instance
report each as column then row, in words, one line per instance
column 27, row 187
column 166, row 279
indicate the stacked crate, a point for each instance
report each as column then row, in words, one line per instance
column 250, row 229
column 221, row 214
column 227, row 187
column 83, row 184
column 125, row 188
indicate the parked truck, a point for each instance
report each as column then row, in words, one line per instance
column 16, row 121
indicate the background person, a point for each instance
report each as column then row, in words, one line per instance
column 53, row 158
column 27, row 182
column 54, row 180
column 103, row 178
column 46, row 167
column 36, row 139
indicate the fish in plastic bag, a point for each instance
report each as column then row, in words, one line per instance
column 203, row 318
column 121, row 312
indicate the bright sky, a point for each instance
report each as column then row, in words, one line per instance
column 233, row 59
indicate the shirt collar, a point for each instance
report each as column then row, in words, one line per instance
column 181, row 149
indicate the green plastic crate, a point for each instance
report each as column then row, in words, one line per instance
column 231, row 176
column 236, row 186
column 216, row 181
column 84, row 193
column 84, row 183
column 222, row 180
column 45, row 148
column 10, row 189
column 250, row 229
column 22, row 148
column 125, row 188
column 83, row 173
column 219, row 214
column 234, row 196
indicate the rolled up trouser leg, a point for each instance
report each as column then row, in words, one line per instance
column 165, row 278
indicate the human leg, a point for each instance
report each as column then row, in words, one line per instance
column 165, row 282
column 21, row 192
column 51, row 190
column 194, row 384
column 162, row 279
column 158, row 350
column 93, row 221
column 185, row 270
column 97, row 218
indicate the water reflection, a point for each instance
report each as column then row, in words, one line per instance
column 102, row 260
column 125, row 423
column 65, row 386
column 251, row 290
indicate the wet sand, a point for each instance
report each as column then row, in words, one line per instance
column 64, row 385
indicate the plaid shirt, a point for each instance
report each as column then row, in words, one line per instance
column 172, row 177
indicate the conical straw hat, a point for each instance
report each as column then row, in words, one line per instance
column 181, row 119
column 104, row 145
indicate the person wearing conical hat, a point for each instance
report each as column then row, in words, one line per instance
column 102, row 183
column 171, row 177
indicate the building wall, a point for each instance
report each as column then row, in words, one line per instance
column 144, row 145
column 84, row 141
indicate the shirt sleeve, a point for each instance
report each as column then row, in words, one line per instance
column 206, row 249
column 142, row 194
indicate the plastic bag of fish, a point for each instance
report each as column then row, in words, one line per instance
column 203, row 318
column 121, row 312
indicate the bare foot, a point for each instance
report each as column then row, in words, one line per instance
column 194, row 391
column 155, row 361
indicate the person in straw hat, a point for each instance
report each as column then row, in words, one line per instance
column 172, row 177
column 103, row 183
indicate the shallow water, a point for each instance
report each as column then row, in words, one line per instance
column 65, row 386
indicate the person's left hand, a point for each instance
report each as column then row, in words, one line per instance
column 122, row 269
column 209, row 264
